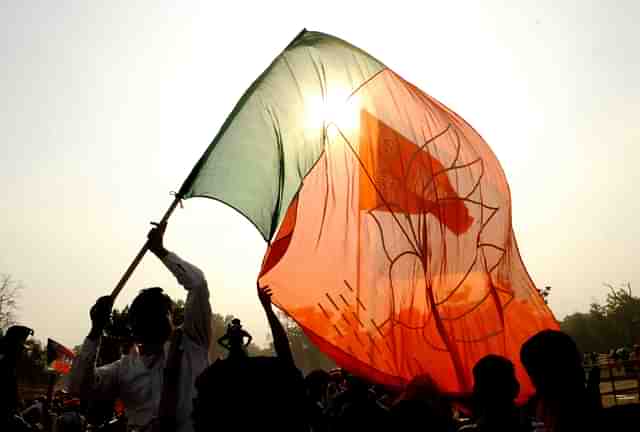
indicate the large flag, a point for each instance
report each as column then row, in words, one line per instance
column 59, row 357
column 388, row 217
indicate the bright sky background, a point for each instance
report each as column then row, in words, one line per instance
column 105, row 108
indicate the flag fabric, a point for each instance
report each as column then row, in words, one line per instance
column 59, row 357
column 388, row 217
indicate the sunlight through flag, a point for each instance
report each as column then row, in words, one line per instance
column 388, row 217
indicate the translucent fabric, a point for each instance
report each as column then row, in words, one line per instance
column 275, row 133
column 395, row 253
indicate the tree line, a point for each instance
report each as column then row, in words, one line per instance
column 609, row 325
column 306, row 355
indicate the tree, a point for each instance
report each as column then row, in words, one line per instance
column 118, row 325
column 306, row 354
column 609, row 325
column 178, row 313
column 623, row 308
column 544, row 293
column 9, row 292
column 119, row 331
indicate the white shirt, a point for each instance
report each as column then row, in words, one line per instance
column 138, row 385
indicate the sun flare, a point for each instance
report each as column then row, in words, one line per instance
column 337, row 111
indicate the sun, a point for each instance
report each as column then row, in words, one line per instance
column 337, row 110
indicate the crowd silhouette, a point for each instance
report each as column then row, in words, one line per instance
column 165, row 382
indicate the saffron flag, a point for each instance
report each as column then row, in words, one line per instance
column 388, row 217
column 59, row 357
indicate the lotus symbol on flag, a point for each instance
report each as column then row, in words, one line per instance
column 388, row 217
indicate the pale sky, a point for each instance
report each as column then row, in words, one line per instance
column 106, row 106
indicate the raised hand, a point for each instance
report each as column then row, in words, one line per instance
column 280, row 339
column 155, row 239
column 100, row 314
column 264, row 294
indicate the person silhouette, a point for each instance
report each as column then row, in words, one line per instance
column 252, row 393
column 234, row 339
column 554, row 364
column 156, row 382
column 422, row 402
column 11, row 348
column 495, row 388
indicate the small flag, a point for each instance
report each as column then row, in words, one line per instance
column 59, row 357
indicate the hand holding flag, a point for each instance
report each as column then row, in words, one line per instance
column 100, row 314
column 155, row 239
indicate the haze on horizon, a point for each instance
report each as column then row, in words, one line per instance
column 106, row 108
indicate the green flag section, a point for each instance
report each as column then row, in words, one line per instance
column 276, row 132
column 388, row 217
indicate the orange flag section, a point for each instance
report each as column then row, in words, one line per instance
column 279, row 246
column 397, row 256
column 397, row 175
column 394, row 350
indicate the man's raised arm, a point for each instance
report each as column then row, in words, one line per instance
column 280, row 339
column 197, row 311
column 85, row 380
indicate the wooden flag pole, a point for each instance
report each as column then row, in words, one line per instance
column 127, row 274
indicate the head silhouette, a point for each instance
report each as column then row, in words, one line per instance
column 421, row 387
column 495, row 385
column 150, row 316
column 316, row 383
column 422, row 402
column 256, row 393
column 554, row 365
column 12, row 344
column 553, row 362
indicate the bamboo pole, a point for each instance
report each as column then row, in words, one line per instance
column 127, row 274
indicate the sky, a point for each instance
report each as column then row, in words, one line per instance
column 106, row 106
